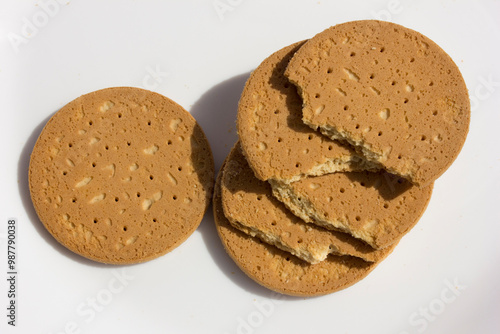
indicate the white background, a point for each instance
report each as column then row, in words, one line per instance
column 442, row 278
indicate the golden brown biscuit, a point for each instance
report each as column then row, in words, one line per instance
column 278, row 270
column 121, row 175
column 377, row 208
column 388, row 90
column 249, row 206
column 275, row 141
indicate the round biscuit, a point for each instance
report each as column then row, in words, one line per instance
column 121, row 175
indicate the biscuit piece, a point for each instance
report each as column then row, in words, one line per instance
column 275, row 141
column 388, row 90
column 278, row 270
column 250, row 206
column 121, row 175
column 377, row 208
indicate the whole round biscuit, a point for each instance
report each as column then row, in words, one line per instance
column 275, row 141
column 121, row 175
column 280, row 271
column 388, row 90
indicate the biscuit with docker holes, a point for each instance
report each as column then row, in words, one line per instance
column 376, row 207
column 389, row 91
column 275, row 141
column 249, row 206
column 280, row 271
column 121, row 175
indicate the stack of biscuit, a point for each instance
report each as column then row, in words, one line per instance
column 341, row 138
